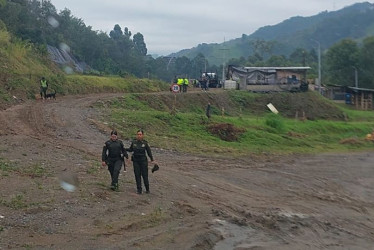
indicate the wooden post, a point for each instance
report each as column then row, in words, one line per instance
column 174, row 109
column 362, row 100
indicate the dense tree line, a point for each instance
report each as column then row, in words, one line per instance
column 119, row 52
column 348, row 57
column 38, row 22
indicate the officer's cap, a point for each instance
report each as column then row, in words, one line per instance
column 155, row 168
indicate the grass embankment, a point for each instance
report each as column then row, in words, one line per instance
column 180, row 124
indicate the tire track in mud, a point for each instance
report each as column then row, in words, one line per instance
column 288, row 199
column 65, row 121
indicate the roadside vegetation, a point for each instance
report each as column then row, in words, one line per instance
column 241, row 127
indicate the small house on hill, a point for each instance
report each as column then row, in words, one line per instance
column 268, row 79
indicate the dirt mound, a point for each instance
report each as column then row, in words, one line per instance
column 225, row 131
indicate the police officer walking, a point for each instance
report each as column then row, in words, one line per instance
column 140, row 149
column 113, row 156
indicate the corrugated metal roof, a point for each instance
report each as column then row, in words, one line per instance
column 361, row 89
column 275, row 68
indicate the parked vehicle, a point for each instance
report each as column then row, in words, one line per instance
column 211, row 79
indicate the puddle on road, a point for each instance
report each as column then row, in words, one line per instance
column 233, row 235
column 245, row 237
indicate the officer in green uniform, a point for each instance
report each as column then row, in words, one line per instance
column 113, row 155
column 140, row 149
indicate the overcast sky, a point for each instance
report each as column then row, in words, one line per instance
column 172, row 25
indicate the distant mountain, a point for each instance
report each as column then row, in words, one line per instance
column 355, row 22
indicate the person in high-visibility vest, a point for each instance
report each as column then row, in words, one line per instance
column 180, row 83
column 43, row 88
column 185, row 84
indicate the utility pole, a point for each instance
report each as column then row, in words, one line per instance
column 304, row 63
column 319, row 65
column 224, row 60
column 356, row 76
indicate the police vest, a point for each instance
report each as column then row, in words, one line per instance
column 43, row 83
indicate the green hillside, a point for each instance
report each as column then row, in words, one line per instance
column 22, row 65
column 355, row 22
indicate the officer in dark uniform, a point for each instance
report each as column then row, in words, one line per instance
column 140, row 149
column 113, row 156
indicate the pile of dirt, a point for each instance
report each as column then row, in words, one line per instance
column 226, row 131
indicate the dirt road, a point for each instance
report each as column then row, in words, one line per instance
column 263, row 202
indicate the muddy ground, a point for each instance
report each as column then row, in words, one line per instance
column 196, row 202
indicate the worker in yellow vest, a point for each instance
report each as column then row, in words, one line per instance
column 180, row 83
column 185, row 84
column 43, row 88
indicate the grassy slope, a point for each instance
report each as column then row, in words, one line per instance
column 180, row 123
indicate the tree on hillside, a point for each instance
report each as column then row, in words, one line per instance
column 298, row 57
column 139, row 44
column 277, row 61
column 23, row 19
column 182, row 66
column 116, row 33
column 122, row 51
column 341, row 59
column 127, row 33
column 254, row 59
column 199, row 64
column 239, row 62
column 262, row 47
column 367, row 63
